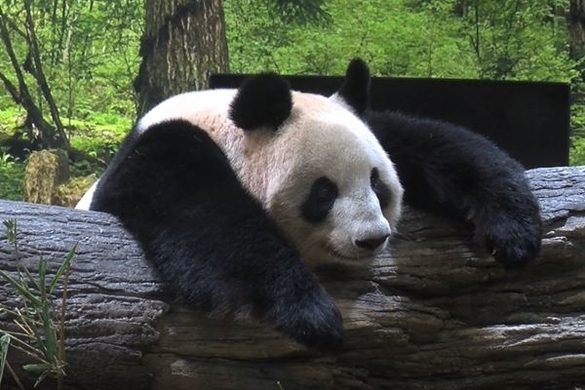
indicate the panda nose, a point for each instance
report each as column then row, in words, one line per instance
column 371, row 243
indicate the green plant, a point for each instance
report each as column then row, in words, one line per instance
column 4, row 343
column 577, row 152
column 11, row 176
column 39, row 331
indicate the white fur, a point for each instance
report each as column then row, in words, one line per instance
column 85, row 201
column 321, row 137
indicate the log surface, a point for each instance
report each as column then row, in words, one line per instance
column 435, row 313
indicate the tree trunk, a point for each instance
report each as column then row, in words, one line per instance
column 183, row 41
column 434, row 314
column 576, row 26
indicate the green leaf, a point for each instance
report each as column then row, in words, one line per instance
column 31, row 279
column 21, row 288
column 10, row 230
column 42, row 273
column 49, row 341
column 36, row 367
column 62, row 268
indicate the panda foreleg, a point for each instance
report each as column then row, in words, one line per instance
column 452, row 171
column 208, row 239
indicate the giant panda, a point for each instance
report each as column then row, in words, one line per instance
column 235, row 194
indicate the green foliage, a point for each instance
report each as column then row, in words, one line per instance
column 515, row 39
column 99, row 138
column 577, row 155
column 40, row 331
column 491, row 39
column 89, row 55
column 11, row 177
column 300, row 12
column 508, row 39
column 9, row 116
column 578, row 109
column 89, row 52
column 90, row 49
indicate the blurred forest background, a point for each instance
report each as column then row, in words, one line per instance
column 75, row 73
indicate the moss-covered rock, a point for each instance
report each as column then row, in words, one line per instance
column 45, row 171
column 69, row 193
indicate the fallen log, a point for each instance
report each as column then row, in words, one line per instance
column 435, row 313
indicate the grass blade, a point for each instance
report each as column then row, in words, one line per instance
column 31, row 278
column 36, row 335
column 22, row 289
column 62, row 268
column 42, row 274
column 50, row 338
column 4, row 344
column 10, row 230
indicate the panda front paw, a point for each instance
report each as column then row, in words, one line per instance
column 513, row 251
column 313, row 320
column 513, row 239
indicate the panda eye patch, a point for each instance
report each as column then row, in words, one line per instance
column 320, row 200
column 380, row 188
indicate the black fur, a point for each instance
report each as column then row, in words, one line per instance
column 264, row 100
column 208, row 239
column 355, row 90
column 380, row 188
column 453, row 171
column 319, row 201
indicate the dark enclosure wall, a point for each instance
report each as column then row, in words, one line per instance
column 530, row 120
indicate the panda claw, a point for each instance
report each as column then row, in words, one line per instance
column 516, row 255
column 513, row 244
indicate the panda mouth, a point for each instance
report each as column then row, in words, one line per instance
column 340, row 256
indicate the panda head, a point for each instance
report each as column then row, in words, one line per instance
column 318, row 169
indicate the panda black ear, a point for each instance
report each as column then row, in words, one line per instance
column 355, row 90
column 262, row 100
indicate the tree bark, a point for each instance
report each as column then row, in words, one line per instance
column 183, row 41
column 436, row 313
column 576, row 27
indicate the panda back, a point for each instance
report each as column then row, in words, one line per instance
column 207, row 110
